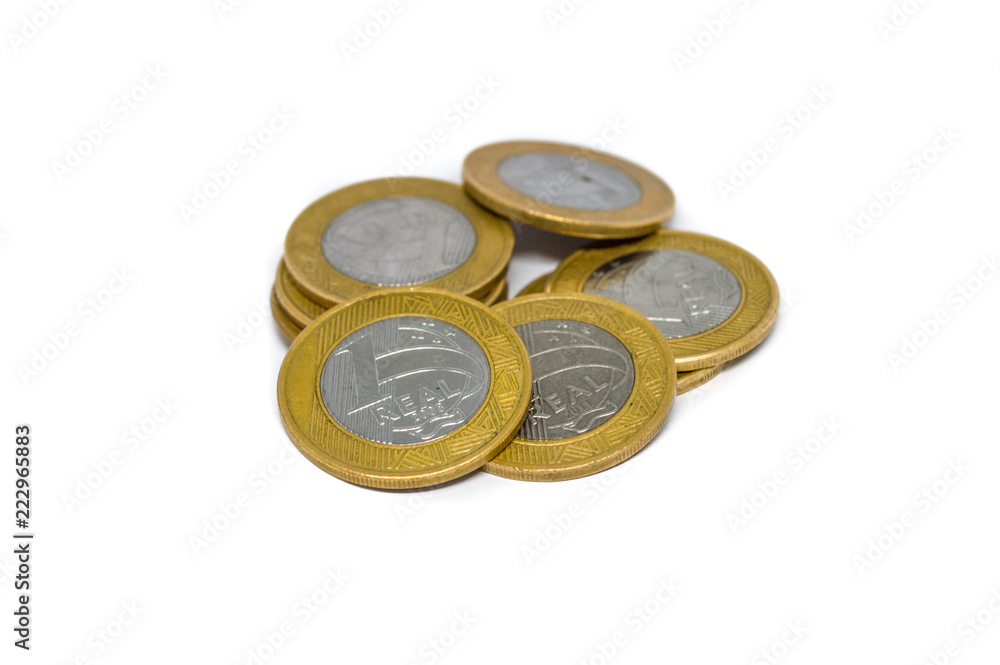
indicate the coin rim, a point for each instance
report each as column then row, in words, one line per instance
column 643, row 414
column 286, row 326
column 749, row 325
column 536, row 286
column 325, row 285
column 482, row 181
column 498, row 419
column 293, row 300
column 688, row 381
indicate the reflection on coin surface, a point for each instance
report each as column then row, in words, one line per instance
column 681, row 292
column 405, row 380
column 581, row 376
column 399, row 241
column 567, row 189
column 712, row 300
column 604, row 382
column 404, row 388
column 572, row 182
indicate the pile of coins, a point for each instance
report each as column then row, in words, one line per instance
column 408, row 366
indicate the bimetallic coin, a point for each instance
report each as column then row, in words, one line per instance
column 712, row 300
column 603, row 383
column 567, row 189
column 297, row 305
column 396, row 232
column 288, row 328
column 404, row 388
column 536, row 286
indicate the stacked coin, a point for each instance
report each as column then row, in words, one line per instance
column 389, row 233
column 404, row 377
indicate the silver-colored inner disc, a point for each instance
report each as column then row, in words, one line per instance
column 571, row 181
column 405, row 380
column 682, row 293
column 399, row 241
column 582, row 376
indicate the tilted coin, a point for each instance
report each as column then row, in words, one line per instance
column 499, row 293
column 568, row 189
column 289, row 329
column 536, row 286
column 404, row 388
column 712, row 301
column 297, row 305
column 688, row 381
column 396, row 232
column 603, row 384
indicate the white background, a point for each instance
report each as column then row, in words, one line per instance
column 415, row 560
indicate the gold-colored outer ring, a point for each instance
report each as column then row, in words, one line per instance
column 499, row 293
column 625, row 433
column 749, row 325
column 323, row 284
column 688, row 381
column 337, row 451
column 483, row 183
column 297, row 305
column 289, row 329
column 536, row 286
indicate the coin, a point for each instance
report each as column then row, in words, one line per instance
column 603, row 384
column 712, row 301
column 404, row 388
column 396, row 232
column 288, row 328
column 568, row 189
column 297, row 305
column 536, row 286
column 499, row 293
column 688, row 381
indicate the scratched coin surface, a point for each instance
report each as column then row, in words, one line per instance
column 399, row 241
column 404, row 388
column 396, row 232
column 405, row 380
column 712, row 300
column 603, row 382
column 568, row 189
column 682, row 293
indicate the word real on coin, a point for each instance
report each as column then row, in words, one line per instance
column 603, row 382
column 569, row 190
column 404, row 388
column 711, row 300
